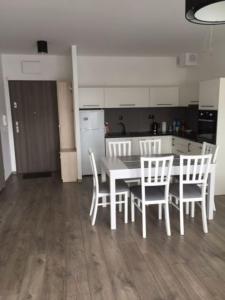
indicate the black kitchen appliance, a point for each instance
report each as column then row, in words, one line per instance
column 155, row 127
column 207, row 125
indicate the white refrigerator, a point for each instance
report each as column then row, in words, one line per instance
column 92, row 133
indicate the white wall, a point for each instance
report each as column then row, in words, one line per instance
column 96, row 70
column 52, row 67
column 211, row 64
column 4, row 129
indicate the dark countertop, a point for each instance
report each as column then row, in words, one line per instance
column 189, row 136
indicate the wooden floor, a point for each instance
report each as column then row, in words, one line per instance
column 49, row 250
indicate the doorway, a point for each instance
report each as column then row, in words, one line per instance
column 35, row 126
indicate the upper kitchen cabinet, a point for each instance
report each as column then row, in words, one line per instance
column 91, row 97
column 209, row 94
column 164, row 96
column 189, row 94
column 127, row 97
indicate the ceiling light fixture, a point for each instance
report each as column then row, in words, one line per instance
column 208, row 12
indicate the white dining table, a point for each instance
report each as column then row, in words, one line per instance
column 128, row 167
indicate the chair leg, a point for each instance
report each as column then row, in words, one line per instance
column 214, row 206
column 143, row 220
column 187, row 208
column 95, row 212
column 120, row 204
column 132, row 208
column 104, row 201
column 167, row 219
column 92, row 204
column 204, row 218
column 160, row 211
column 193, row 209
column 126, row 208
column 181, row 206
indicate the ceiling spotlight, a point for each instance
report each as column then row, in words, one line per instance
column 208, row 12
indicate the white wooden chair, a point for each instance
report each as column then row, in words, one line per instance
column 121, row 148
column 154, row 189
column 150, row 147
column 101, row 191
column 194, row 171
column 208, row 148
column 147, row 148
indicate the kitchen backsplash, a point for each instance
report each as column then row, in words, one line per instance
column 139, row 119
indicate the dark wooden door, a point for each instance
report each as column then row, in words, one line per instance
column 35, row 125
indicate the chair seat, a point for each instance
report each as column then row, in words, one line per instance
column 121, row 187
column 152, row 193
column 189, row 190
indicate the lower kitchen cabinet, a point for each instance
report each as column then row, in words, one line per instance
column 184, row 146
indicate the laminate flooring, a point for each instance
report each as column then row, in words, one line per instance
column 49, row 250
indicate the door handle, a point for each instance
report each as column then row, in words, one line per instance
column 17, row 127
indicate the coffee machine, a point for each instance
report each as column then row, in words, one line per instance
column 155, row 127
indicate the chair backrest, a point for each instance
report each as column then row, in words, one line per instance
column 94, row 171
column 156, row 171
column 194, row 170
column 150, row 147
column 208, row 148
column 119, row 148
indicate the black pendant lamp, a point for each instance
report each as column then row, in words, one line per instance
column 208, row 12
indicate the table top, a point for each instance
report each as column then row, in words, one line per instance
column 133, row 161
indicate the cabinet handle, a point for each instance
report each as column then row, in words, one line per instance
column 208, row 121
column 206, row 105
column 127, row 105
column 164, row 104
column 91, row 105
column 195, row 101
column 189, row 145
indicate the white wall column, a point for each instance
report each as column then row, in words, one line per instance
column 76, row 111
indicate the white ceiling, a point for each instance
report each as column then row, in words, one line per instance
column 101, row 27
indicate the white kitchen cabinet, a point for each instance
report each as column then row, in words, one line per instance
column 179, row 146
column 126, row 97
column 209, row 94
column 194, row 148
column 164, row 96
column 91, row 97
column 189, row 94
column 185, row 146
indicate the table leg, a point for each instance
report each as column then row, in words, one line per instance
column 103, row 174
column 112, row 203
column 211, row 194
column 103, row 178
